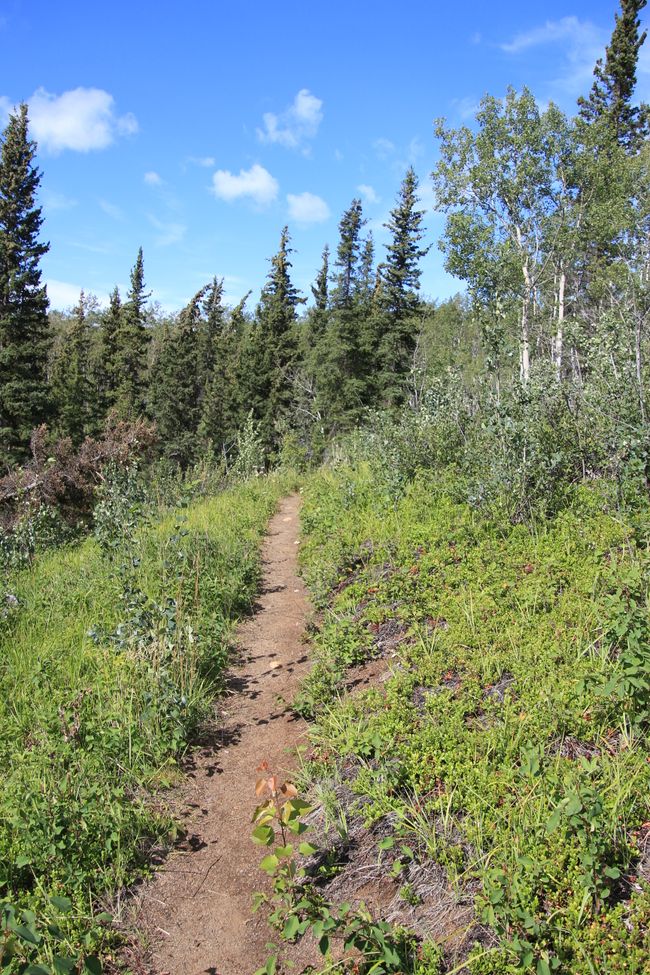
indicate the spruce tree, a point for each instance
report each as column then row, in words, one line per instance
column 24, row 330
column 225, row 405
column 610, row 99
column 132, row 341
column 347, row 256
column 175, row 386
column 273, row 351
column 71, row 380
column 342, row 368
column 108, row 365
column 401, row 270
column 399, row 294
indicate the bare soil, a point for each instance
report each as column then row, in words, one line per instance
column 196, row 913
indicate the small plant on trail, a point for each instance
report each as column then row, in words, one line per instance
column 369, row 947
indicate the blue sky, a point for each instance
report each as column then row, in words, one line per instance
column 198, row 129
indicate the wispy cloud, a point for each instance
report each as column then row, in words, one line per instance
column 111, row 210
column 548, row 33
column 169, row 232
column 81, row 120
column 64, row 295
column 206, row 161
column 152, row 178
column 383, row 147
column 465, row 107
column 296, row 125
column 53, row 201
column 255, row 183
column 307, row 208
column 581, row 42
column 368, row 193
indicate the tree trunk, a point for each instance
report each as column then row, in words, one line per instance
column 559, row 334
column 638, row 356
column 525, row 336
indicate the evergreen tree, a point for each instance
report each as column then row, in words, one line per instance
column 343, row 370
column 211, row 331
column 132, row 340
column 367, row 271
column 610, row 99
column 176, row 381
column 24, row 329
column 347, row 256
column 72, row 388
column 317, row 317
column 108, row 366
column 225, row 403
column 273, row 350
column 401, row 270
column 400, row 283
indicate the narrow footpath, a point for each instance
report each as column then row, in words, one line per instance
column 197, row 910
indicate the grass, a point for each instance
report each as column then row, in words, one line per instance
column 109, row 661
column 509, row 740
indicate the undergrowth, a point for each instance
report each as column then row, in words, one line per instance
column 111, row 652
column 506, row 741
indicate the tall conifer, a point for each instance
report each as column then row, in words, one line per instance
column 610, row 98
column 24, row 330
column 71, row 380
column 132, row 341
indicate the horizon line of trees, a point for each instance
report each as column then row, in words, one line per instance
column 548, row 225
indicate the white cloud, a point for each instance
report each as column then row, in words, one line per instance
column 465, row 107
column 5, row 108
column 549, row 33
column 169, row 232
column 383, row 147
column 256, row 183
column 368, row 193
column 81, row 119
column 307, row 208
column 111, row 210
column 298, row 123
column 153, row 179
column 58, row 201
column 206, row 161
column 581, row 43
column 64, row 295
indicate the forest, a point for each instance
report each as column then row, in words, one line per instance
column 475, row 485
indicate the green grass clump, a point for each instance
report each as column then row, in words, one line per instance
column 510, row 741
column 109, row 660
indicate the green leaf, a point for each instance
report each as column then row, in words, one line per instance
column 27, row 934
column 554, row 821
column 93, row 965
column 543, row 967
column 291, row 927
column 387, row 843
column 324, row 944
column 263, row 835
column 573, row 806
column 64, row 965
column 307, row 849
column 22, row 861
column 270, row 863
column 63, row 904
column 284, row 851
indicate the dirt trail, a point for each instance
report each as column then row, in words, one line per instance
column 197, row 911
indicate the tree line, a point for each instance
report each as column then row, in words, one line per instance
column 548, row 225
